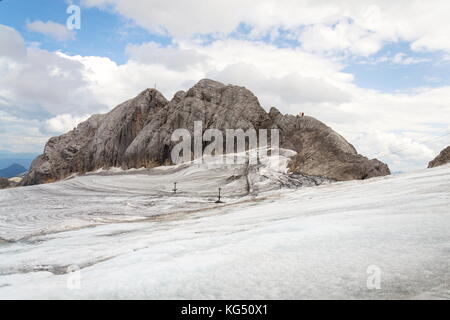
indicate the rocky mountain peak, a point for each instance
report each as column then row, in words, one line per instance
column 137, row 133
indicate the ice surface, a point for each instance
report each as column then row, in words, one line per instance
column 132, row 238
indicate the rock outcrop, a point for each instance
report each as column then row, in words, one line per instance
column 441, row 159
column 137, row 133
column 323, row 152
column 4, row 183
column 99, row 142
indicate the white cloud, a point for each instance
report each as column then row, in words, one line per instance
column 343, row 36
column 37, row 77
column 401, row 151
column 36, row 85
column 20, row 135
column 172, row 57
column 11, row 43
column 292, row 88
column 402, row 58
column 399, row 58
column 61, row 123
column 360, row 27
column 48, row 79
column 52, row 29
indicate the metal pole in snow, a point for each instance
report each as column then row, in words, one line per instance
column 218, row 200
column 174, row 187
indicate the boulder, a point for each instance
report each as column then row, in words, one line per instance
column 441, row 159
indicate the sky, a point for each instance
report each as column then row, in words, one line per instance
column 378, row 72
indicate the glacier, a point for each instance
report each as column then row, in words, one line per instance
column 128, row 236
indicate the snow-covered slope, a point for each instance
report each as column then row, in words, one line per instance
column 120, row 196
column 132, row 238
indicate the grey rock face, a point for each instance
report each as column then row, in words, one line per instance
column 99, row 142
column 214, row 104
column 323, row 152
column 137, row 133
column 441, row 159
column 4, row 183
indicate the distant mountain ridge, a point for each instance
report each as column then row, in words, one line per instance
column 137, row 133
column 12, row 171
column 8, row 158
